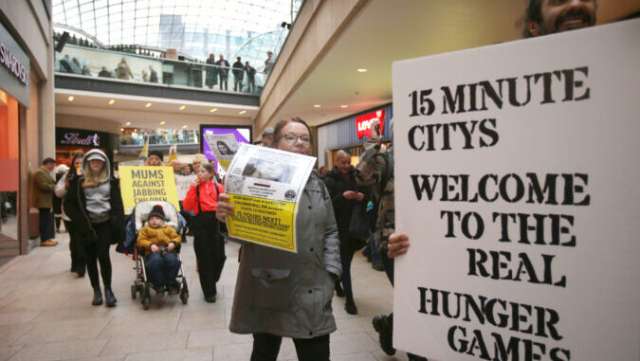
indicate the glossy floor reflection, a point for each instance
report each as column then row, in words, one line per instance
column 45, row 314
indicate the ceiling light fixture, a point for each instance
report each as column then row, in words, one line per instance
column 148, row 105
column 112, row 101
column 316, row 105
column 242, row 112
column 213, row 110
column 163, row 122
column 184, row 126
column 362, row 70
column 183, row 107
column 343, row 106
column 71, row 98
column 127, row 123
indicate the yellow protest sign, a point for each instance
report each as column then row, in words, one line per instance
column 140, row 184
column 265, row 221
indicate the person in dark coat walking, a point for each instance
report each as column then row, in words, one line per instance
column 94, row 204
column 202, row 199
column 341, row 183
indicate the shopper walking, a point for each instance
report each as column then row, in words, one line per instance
column 202, row 199
column 44, row 187
column 282, row 294
column 78, row 264
column 94, row 204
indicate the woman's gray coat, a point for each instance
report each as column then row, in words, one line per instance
column 289, row 294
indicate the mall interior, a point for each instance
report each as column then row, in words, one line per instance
column 119, row 75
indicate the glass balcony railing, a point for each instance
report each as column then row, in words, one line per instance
column 138, row 137
column 146, row 69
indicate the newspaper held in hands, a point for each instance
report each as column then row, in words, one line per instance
column 265, row 186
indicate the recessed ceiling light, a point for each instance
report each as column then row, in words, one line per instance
column 148, row 105
column 343, row 106
column 183, row 107
column 184, row 126
column 112, row 101
column 316, row 105
column 127, row 123
column 213, row 110
column 242, row 112
column 71, row 98
column 362, row 70
column 162, row 122
column 122, row 129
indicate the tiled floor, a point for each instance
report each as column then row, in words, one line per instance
column 45, row 314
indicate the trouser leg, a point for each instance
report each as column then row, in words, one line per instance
column 388, row 264
column 171, row 267
column 345, row 258
column 102, row 251
column 203, row 246
column 91, row 257
column 314, row 349
column 265, row 347
column 45, row 224
column 154, row 268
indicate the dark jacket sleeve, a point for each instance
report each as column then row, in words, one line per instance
column 73, row 207
column 117, row 213
column 334, row 192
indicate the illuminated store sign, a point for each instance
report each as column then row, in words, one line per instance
column 9, row 60
column 69, row 137
column 363, row 123
column 74, row 139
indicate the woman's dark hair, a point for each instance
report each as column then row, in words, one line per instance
column 73, row 173
column 534, row 14
column 281, row 124
column 208, row 167
column 190, row 168
column 228, row 151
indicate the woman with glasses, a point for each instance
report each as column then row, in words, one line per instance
column 281, row 294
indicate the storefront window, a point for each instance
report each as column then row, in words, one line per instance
column 9, row 166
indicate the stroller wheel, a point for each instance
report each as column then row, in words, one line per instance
column 146, row 302
column 133, row 292
column 184, row 296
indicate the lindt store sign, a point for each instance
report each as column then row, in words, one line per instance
column 68, row 137
column 363, row 123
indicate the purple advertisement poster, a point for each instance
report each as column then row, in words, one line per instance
column 241, row 133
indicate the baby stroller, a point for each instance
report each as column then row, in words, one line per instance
column 141, row 284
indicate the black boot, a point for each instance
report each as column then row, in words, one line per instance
column 111, row 298
column 97, row 297
column 350, row 306
column 384, row 327
column 339, row 291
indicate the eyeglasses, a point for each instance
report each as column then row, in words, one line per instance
column 291, row 139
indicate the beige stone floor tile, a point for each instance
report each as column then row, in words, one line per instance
column 352, row 343
column 363, row 356
column 10, row 333
column 7, row 351
column 232, row 352
column 7, row 318
column 69, row 314
column 60, row 350
column 108, row 358
column 201, row 320
column 381, row 356
column 58, row 331
column 195, row 354
column 214, row 338
column 145, row 343
column 145, row 322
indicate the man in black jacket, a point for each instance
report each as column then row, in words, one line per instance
column 344, row 194
column 238, row 75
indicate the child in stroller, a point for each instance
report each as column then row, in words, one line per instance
column 160, row 242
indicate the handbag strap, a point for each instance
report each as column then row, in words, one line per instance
column 198, row 195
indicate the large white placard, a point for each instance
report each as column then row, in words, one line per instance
column 517, row 182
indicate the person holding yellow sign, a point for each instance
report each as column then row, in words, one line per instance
column 280, row 293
